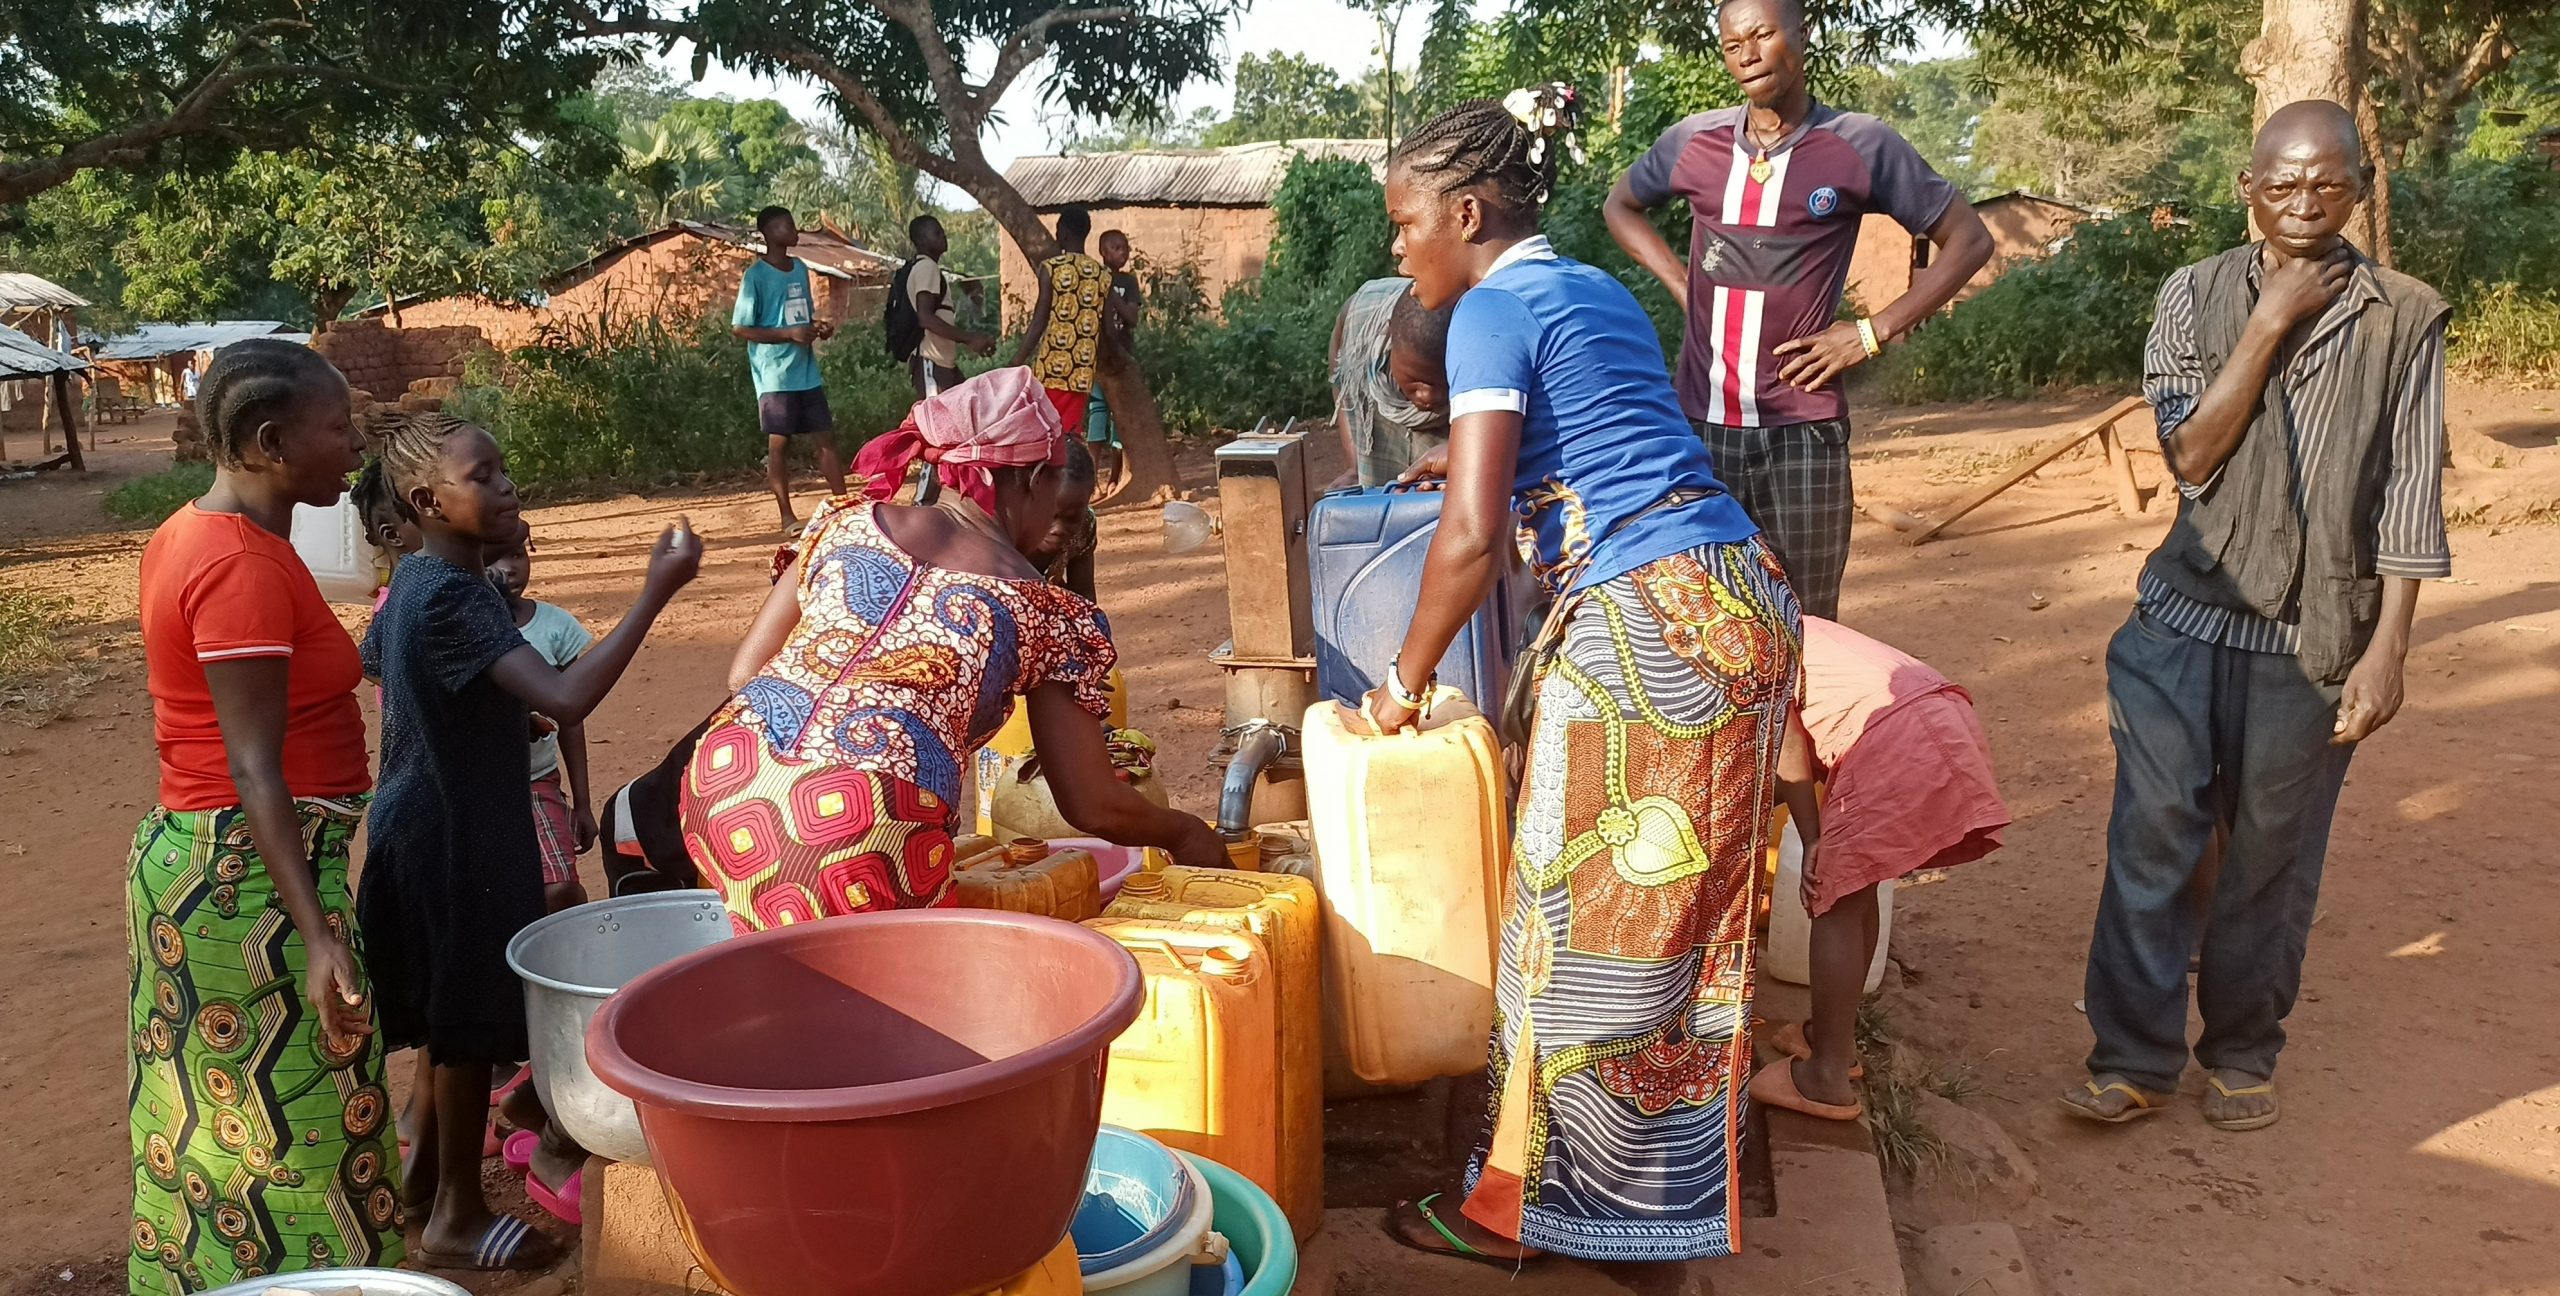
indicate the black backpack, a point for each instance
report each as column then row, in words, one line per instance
column 899, row 325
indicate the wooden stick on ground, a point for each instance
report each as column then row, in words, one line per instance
column 2044, row 454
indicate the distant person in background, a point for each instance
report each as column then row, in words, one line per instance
column 777, row 318
column 1776, row 189
column 1121, row 312
column 936, row 363
column 1390, row 371
column 1063, row 345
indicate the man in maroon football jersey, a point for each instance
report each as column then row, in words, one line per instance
column 1775, row 190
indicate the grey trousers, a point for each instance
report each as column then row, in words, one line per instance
column 2203, row 731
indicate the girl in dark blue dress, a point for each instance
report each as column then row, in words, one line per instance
column 452, row 870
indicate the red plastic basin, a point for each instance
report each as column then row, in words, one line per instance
column 891, row 1104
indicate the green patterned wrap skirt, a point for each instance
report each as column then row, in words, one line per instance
column 259, row 1147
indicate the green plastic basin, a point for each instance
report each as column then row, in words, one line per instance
column 1264, row 1246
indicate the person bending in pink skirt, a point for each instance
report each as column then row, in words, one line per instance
column 1905, row 784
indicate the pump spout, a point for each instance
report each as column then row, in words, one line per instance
column 1260, row 745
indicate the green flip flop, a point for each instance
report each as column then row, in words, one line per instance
column 1458, row 1246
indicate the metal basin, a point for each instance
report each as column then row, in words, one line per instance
column 371, row 1282
column 571, row 963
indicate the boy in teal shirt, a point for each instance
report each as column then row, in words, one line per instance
column 777, row 318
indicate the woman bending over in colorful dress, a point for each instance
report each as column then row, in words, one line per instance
column 831, row 782
column 1623, row 991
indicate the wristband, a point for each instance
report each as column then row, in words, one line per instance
column 1416, row 703
column 1868, row 339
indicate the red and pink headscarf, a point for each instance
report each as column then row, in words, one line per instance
column 999, row 419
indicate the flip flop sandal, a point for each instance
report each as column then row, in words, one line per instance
column 1776, row 1086
column 519, row 1151
column 1458, row 1248
column 2084, row 1101
column 502, row 1249
column 2221, row 1094
column 562, row 1204
column 1789, row 1039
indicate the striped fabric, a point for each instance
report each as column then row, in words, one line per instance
column 1736, row 314
column 1622, row 1040
column 2409, row 536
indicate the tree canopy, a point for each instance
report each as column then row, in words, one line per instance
column 191, row 84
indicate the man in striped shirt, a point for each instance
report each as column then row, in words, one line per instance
column 2299, row 391
column 1776, row 190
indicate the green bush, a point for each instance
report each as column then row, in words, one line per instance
column 1268, row 355
column 2507, row 333
column 646, row 404
column 2479, row 224
column 2077, row 317
column 148, row 501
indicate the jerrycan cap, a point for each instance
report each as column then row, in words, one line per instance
column 1226, row 960
column 1148, row 885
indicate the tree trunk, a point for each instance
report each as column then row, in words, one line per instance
column 1147, row 471
column 2313, row 49
column 328, row 303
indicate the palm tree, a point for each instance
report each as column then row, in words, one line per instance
column 678, row 170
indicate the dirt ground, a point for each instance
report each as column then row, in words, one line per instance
column 2420, row 1151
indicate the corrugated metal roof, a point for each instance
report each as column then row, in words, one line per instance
column 24, row 357
column 826, row 252
column 1244, row 175
column 21, row 291
column 152, row 341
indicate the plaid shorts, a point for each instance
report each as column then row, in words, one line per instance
column 1794, row 481
column 554, row 830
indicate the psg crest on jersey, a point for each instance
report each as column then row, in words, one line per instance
column 1822, row 202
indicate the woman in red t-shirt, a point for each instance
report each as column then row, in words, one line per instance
column 261, row 1125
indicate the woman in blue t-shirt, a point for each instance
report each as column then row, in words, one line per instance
column 1625, row 984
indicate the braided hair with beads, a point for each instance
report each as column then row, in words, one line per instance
column 1514, row 144
column 253, row 381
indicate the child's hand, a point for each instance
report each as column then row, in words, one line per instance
column 675, row 559
column 582, row 822
column 542, row 726
column 1811, row 878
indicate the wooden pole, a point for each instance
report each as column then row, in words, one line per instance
column 2043, row 455
column 70, row 434
column 2129, row 497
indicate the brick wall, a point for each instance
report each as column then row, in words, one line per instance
column 677, row 280
column 382, row 362
column 2022, row 228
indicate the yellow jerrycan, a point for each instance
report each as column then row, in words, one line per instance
column 1412, row 839
column 1028, row 877
column 1280, row 911
column 1199, row 1070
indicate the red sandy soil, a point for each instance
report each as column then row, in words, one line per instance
column 2420, row 1150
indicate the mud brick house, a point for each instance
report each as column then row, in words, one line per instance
column 1208, row 208
column 675, row 275
column 2024, row 226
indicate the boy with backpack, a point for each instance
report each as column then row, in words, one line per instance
column 921, row 325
